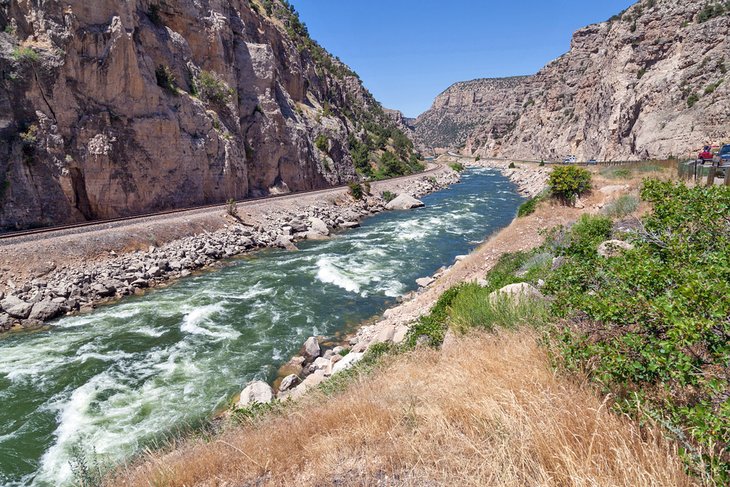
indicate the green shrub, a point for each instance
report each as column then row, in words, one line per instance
column 232, row 208
column 154, row 15
column 511, row 165
column 542, row 163
column 26, row 55
column 356, row 190
column 388, row 196
column 568, row 182
column 651, row 325
column 431, row 328
column 212, row 88
column 166, row 79
column 529, row 206
column 692, row 100
column 457, row 166
column 616, row 172
column 322, row 143
column 622, row 206
column 585, row 236
column 710, row 11
column 641, row 73
column 478, row 158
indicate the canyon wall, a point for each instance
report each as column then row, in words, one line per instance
column 112, row 108
column 650, row 82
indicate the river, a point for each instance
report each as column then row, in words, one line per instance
column 108, row 383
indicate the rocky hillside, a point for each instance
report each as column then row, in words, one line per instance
column 481, row 104
column 649, row 82
column 116, row 108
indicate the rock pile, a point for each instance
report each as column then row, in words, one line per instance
column 78, row 289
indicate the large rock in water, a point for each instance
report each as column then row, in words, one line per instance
column 16, row 307
column 256, row 392
column 404, row 202
column 311, row 349
column 44, row 311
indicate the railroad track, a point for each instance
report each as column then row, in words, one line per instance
column 25, row 235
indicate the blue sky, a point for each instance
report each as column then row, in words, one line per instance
column 408, row 51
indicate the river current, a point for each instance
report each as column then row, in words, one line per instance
column 111, row 382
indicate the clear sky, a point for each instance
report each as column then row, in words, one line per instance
column 408, row 51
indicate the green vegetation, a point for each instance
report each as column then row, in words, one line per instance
column 154, row 15
column 211, row 87
column 457, row 166
column 356, row 190
column 692, row 99
column 232, row 208
column 568, row 182
column 622, row 206
column 529, row 206
column 322, row 143
column 166, row 79
column 641, row 73
column 713, row 10
column 511, row 165
column 26, row 55
column 713, row 86
column 388, row 196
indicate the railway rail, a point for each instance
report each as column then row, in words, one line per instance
column 8, row 238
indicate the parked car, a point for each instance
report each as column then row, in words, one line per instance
column 725, row 154
column 592, row 162
column 706, row 155
column 570, row 160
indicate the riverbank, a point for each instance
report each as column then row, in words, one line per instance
column 42, row 280
column 483, row 410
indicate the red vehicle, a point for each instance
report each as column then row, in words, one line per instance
column 706, row 155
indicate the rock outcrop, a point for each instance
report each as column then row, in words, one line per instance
column 113, row 108
column 650, row 82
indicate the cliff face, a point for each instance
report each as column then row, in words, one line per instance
column 114, row 108
column 651, row 82
column 484, row 105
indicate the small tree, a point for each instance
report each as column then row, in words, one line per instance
column 356, row 190
column 569, row 182
column 232, row 209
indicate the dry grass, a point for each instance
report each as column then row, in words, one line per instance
column 486, row 411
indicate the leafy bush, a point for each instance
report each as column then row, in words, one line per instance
column 212, row 88
column 166, row 78
column 431, row 328
column 616, row 172
column 322, row 143
column 457, row 166
column 649, row 325
column 622, row 206
column 710, row 11
column 692, row 100
column 356, row 190
column 388, row 196
column 511, row 165
column 569, row 182
column 232, row 208
column 529, row 206
column 585, row 236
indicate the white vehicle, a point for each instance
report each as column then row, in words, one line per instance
column 570, row 160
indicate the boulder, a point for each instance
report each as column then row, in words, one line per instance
column 517, row 292
column 256, row 392
column 612, row 248
column 425, row 281
column 347, row 361
column 320, row 363
column 289, row 382
column 350, row 225
column 16, row 307
column 318, row 226
column 6, row 322
column 311, row 349
column 44, row 311
column 404, row 202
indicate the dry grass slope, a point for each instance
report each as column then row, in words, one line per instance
column 486, row 411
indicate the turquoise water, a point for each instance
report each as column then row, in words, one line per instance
column 109, row 382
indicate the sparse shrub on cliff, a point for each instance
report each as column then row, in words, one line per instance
column 212, row 88
column 511, row 165
column 710, row 11
column 232, row 208
column 322, row 143
column 356, row 190
column 692, row 100
column 713, row 86
column 568, row 182
column 26, row 55
column 166, row 79
column 154, row 15
column 529, row 206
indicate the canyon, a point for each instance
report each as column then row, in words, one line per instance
column 650, row 82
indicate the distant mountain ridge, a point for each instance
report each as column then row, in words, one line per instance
column 650, row 82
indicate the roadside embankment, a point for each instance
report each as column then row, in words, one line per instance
column 44, row 279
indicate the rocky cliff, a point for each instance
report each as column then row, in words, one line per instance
column 649, row 82
column 115, row 108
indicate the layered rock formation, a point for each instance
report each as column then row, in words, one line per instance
column 116, row 108
column 650, row 82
